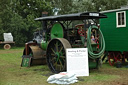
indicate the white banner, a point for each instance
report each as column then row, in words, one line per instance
column 77, row 61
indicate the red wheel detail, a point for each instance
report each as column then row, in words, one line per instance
column 111, row 58
column 81, row 32
column 119, row 57
column 115, row 57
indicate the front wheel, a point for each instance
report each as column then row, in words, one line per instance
column 56, row 54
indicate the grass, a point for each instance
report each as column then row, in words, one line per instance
column 12, row 74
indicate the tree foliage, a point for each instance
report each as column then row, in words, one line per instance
column 64, row 6
column 71, row 6
column 18, row 17
column 108, row 4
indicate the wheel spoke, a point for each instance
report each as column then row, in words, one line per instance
column 61, row 49
column 53, row 51
column 55, row 64
column 60, row 65
column 62, row 57
column 53, row 59
column 52, row 54
column 63, row 62
column 56, row 45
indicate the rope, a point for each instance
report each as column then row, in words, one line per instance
column 101, row 50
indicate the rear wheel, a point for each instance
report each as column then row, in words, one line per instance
column 7, row 46
column 111, row 58
column 115, row 57
column 56, row 54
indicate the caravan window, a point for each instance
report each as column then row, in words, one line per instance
column 121, row 19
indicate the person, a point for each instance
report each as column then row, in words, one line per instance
column 93, row 40
column 92, row 37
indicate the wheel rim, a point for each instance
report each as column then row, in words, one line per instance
column 56, row 55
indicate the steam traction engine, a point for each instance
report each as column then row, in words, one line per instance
column 65, row 31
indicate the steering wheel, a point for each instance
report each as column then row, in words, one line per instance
column 81, row 32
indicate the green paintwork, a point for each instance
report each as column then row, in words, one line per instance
column 82, row 39
column 92, row 64
column 116, row 39
column 57, row 31
column 44, row 45
column 26, row 62
column 94, row 46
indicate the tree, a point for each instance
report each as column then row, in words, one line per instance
column 98, row 5
column 29, row 10
column 73, row 6
column 108, row 4
column 4, row 17
column 35, row 7
column 19, row 29
column 14, row 23
column 18, row 17
column 83, row 5
column 63, row 6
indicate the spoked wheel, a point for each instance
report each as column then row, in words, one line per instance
column 111, row 58
column 119, row 57
column 56, row 54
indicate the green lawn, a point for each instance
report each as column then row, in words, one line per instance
column 11, row 73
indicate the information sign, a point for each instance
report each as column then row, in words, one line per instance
column 77, row 61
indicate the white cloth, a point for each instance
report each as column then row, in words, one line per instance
column 63, row 78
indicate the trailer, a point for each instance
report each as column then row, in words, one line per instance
column 78, row 30
column 8, row 41
column 115, row 31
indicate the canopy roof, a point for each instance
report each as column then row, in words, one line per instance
column 75, row 16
